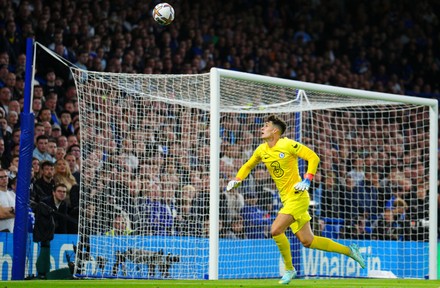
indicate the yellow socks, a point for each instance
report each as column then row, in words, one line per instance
column 284, row 247
column 326, row 244
column 320, row 243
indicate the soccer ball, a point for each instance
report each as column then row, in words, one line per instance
column 163, row 13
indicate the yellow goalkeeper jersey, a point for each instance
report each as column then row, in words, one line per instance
column 282, row 162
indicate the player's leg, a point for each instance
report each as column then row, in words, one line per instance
column 294, row 214
column 303, row 231
column 279, row 226
column 306, row 237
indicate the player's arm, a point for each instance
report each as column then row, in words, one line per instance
column 244, row 171
column 313, row 160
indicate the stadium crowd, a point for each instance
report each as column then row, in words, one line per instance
column 391, row 46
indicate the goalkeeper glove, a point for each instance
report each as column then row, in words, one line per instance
column 233, row 184
column 304, row 184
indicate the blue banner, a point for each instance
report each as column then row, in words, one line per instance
column 188, row 258
column 404, row 259
column 60, row 246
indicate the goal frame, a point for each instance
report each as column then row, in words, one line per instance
column 217, row 73
column 215, row 109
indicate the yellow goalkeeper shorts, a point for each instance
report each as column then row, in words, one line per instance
column 298, row 207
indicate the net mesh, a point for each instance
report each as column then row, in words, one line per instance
column 145, row 178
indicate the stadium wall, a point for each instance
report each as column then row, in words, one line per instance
column 313, row 262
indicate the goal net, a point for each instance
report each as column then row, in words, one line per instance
column 158, row 151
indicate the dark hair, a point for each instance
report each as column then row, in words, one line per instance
column 73, row 146
column 59, row 185
column 65, row 112
column 42, row 137
column 277, row 122
column 44, row 108
column 46, row 163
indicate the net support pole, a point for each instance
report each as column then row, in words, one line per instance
column 294, row 242
column 433, row 193
column 297, row 133
column 214, row 175
column 24, row 172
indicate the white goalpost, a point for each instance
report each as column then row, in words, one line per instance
column 158, row 150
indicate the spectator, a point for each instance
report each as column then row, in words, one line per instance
column 230, row 131
column 13, row 120
column 134, row 204
column 5, row 132
column 20, row 66
column 44, row 186
column 15, row 150
column 37, row 105
column 52, row 147
column 56, row 131
column 45, row 115
column 50, row 218
column 5, row 98
column 50, row 85
column 121, row 225
column 36, row 167
column 38, row 92
column 402, row 219
column 71, row 160
column 158, row 219
column 70, row 107
column 82, row 60
column 57, row 202
column 14, row 105
column 350, row 203
column 47, row 128
column 4, row 155
column 256, row 224
column 235, row 202
column 360, row 229
column 357, row 172
column 38, row 130
column 200, row 204
column 129, row 160
column 420, row 214
column 66, row 123
column 13, row 168
column 6, row 213
column 40, row 152
column 372, row 188
column 63, row 175
column 52, row 104
column 11, row 80
column 71, row 140
column 7, row 201
column 3, row 75
column 328, row 200
column 184, row 219
column 62, row 142
column 237, row 228
column 75, row 150
column 385, row 228
column 60, row 153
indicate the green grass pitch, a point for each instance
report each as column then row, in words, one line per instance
column 301, row 283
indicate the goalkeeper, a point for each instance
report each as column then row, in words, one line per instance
column 280, row 155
